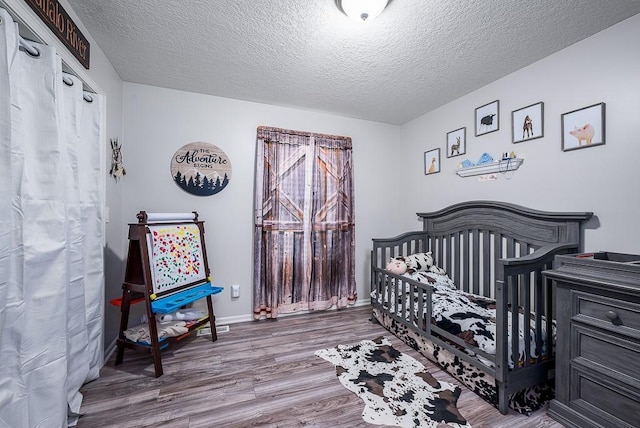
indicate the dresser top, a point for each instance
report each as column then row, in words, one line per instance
column 601, row 269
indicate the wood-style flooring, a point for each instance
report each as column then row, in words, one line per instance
column 258, row 374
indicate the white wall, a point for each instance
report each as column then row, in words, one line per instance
column 157, row 122
column 603, row 179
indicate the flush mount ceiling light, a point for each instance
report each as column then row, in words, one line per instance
column 362, row 10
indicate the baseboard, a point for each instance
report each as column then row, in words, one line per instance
column 249, row 317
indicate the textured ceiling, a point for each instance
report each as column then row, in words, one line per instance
column 415, row 57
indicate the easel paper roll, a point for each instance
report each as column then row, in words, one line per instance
column 169, row 217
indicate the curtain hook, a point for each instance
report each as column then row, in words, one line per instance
column 67, row 80
column 88, row 98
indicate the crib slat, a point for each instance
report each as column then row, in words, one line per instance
column 538, row 302
column 455, row 275
column 412, row 306
column 420, row 309
column 465, row 261
column 526, row 295
column 446, row 260
column 474, row 287
column 486, row 263
column 515, row 321
column 511, row 247
column 547, row 291
column 498, row 254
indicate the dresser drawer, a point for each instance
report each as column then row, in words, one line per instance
column 614, row 315
column 602, row 400
column 619, row 358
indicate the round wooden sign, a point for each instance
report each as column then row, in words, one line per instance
column 201, row 169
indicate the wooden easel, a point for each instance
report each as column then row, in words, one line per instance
column 139, row 286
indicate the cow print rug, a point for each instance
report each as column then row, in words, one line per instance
column 397, row 390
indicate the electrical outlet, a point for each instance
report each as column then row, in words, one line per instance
column 235, row 291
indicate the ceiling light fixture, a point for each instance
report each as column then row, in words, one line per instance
column 362, row 10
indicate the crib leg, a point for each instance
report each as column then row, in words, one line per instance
column 503, row 400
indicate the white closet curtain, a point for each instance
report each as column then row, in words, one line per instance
column 51, row 237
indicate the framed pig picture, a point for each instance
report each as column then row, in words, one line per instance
column 584, row 127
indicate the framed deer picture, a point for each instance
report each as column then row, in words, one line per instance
column 527, row 123
column 457, row 142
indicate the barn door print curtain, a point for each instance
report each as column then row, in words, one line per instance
column 304, row 223
column 51, row 237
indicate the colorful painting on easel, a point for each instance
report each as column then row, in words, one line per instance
column 176, row 256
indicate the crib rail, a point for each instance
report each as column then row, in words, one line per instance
column 389, row 294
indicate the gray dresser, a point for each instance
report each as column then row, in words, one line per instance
column 598, row 340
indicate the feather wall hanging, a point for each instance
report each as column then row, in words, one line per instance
column 117, row 169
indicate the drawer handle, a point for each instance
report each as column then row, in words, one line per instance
column 613, row 317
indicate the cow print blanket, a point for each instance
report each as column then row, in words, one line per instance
column 396, row 389
column 472, row 318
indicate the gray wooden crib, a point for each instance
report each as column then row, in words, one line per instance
column 491, row 249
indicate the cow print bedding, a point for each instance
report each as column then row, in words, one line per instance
column 525, row 402
column 467, row 316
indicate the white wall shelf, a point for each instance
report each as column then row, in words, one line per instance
column 497, row 166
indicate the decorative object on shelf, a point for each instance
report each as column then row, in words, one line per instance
column 117, row 170
column 501, row 166
column 584, row 127
column 432, row 161
column 457, row 142
column 362, row 10
column 201, row 169
column 485, row 158
column 487, row 118
column 527, row 123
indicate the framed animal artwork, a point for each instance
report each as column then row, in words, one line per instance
column 584, row 127
column 527, row 123
column 487, row 118
column 432, row 161
column 457, row 142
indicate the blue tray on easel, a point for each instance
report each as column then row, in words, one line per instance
column 173, row 302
